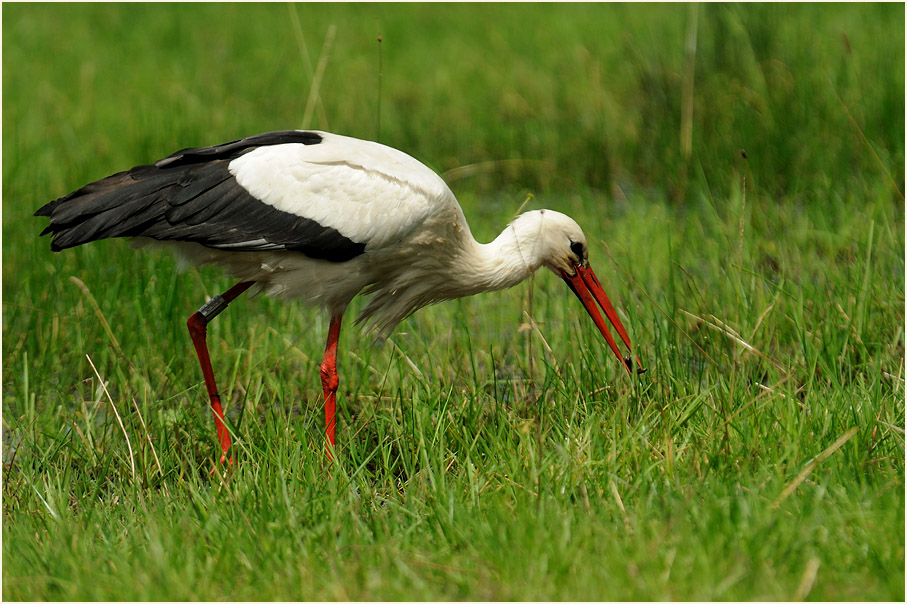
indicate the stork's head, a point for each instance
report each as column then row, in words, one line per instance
column 559, row 244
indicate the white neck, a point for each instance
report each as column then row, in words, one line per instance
column 508, row 260
column 471, row 268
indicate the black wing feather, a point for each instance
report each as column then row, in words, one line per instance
column 191, row 196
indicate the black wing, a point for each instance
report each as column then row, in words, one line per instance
column 191, row 196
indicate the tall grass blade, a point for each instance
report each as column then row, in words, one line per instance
column 796, row 482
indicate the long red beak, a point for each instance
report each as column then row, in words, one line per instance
column 587, row 288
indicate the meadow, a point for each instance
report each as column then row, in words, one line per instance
column 739, row 174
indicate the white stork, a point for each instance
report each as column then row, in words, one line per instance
column 323, row 217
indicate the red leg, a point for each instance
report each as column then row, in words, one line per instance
column 329, row 379
column 198, row 328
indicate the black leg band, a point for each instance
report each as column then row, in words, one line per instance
column 213, row 307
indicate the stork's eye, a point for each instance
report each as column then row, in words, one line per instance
column 577, row 248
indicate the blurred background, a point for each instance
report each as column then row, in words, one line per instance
column 661, row 99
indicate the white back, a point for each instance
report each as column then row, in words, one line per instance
column 369, row 192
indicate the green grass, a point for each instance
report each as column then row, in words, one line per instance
column 761, row 456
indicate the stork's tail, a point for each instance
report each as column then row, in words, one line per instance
column 112, row 207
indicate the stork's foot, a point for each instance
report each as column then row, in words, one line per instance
column 225, row 462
